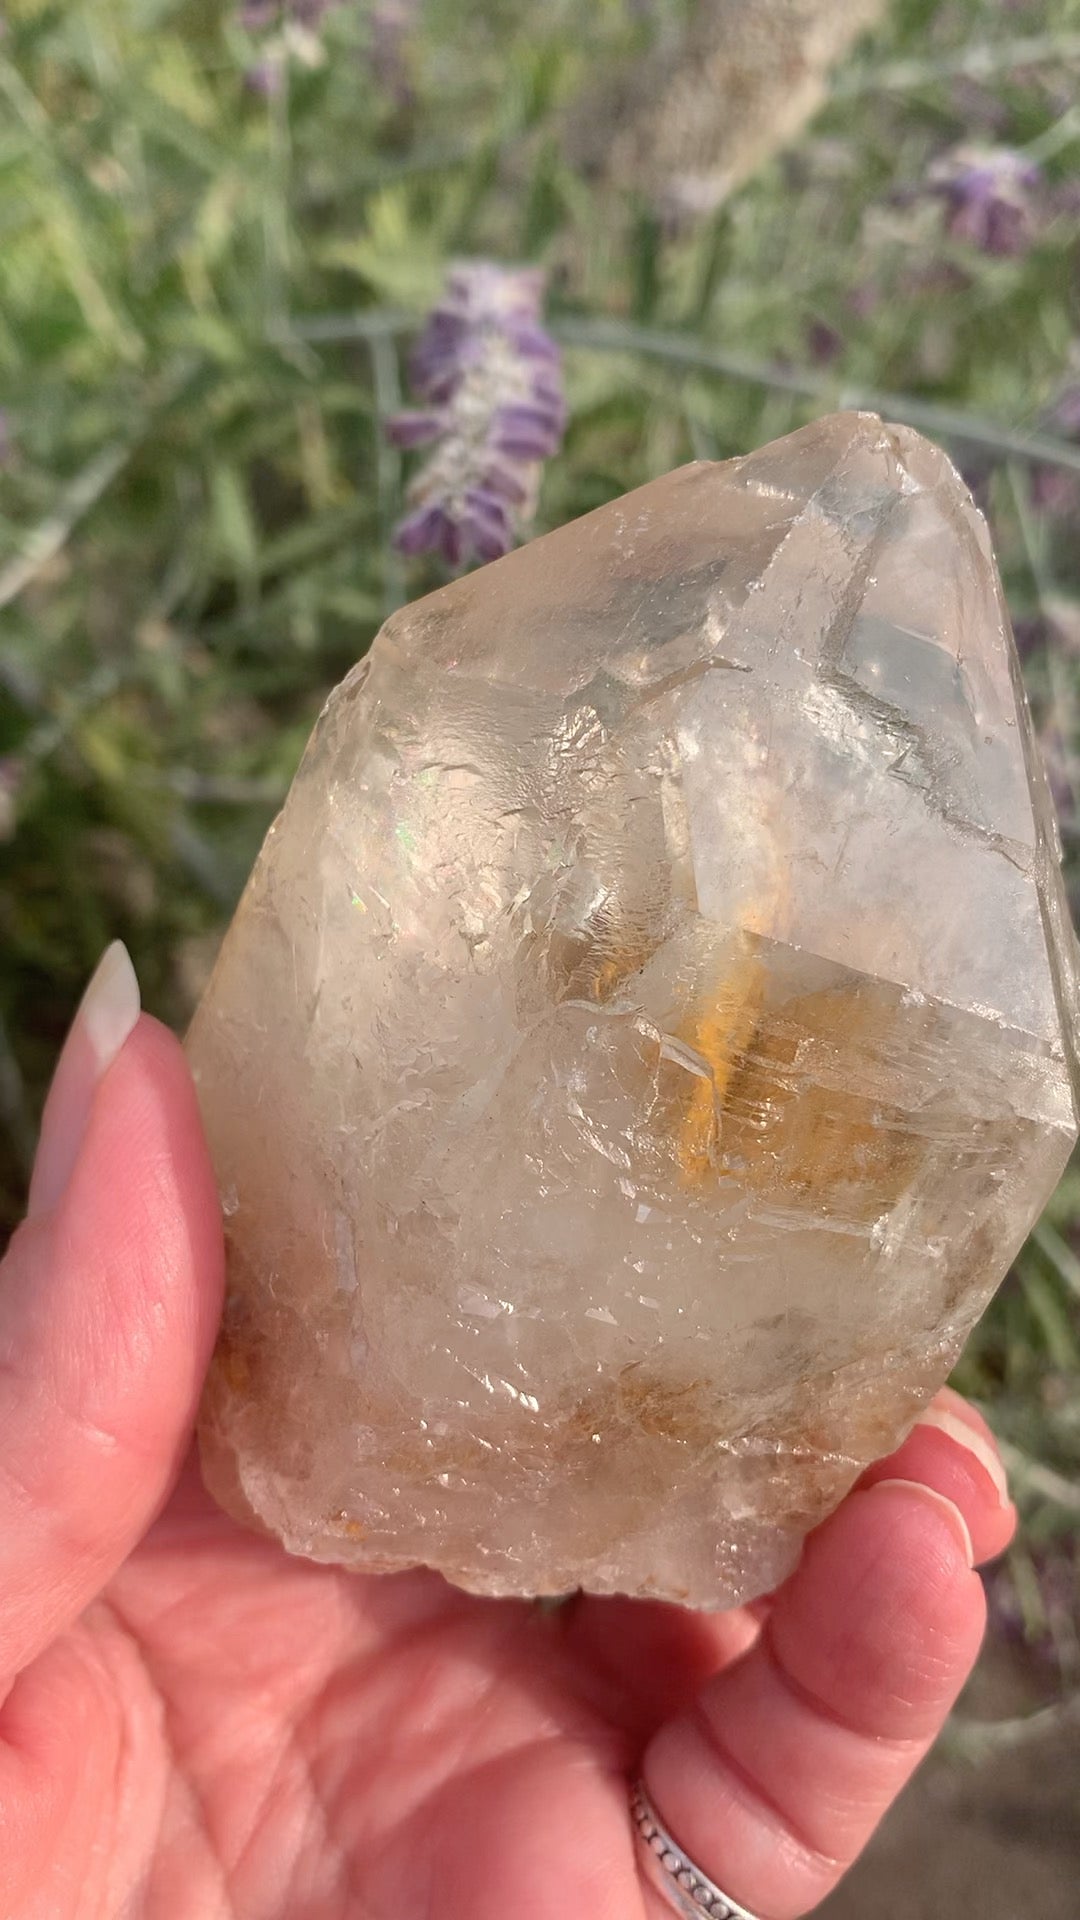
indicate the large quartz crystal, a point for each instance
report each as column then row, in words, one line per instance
column 645, row 1040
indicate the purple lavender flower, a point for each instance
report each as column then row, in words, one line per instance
column 990, row 196
column 824, row 342
column 489, row 378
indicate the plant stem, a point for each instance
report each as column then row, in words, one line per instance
column 51, row 534
column 1064, row 1261
column 619, row 336
column 332, row 328
column 979, row 62
column 947, row 423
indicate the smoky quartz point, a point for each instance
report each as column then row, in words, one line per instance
column 645, row 1040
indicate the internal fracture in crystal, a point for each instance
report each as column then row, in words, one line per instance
column 645, row 1040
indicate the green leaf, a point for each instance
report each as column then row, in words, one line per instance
column 1051, row 1316
column 1058, row 1252
column 235, row 535
column 397, row 263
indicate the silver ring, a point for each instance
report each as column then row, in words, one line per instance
column 672, row 1872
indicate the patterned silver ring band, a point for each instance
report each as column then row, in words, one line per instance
column 689, row 1891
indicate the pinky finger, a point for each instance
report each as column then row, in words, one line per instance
column 776, row 1776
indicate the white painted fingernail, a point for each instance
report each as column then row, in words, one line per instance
column 106, row 1016
column 110, row 1006
column 982, row 1449
column 945, row 1506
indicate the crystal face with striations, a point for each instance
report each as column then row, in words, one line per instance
column 645, row 1039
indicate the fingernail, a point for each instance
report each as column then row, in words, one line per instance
column 944, row 1506
column 110, row 1006
column 981, row 1449
column 107, row 1013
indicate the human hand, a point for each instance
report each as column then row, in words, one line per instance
column 195, row 1727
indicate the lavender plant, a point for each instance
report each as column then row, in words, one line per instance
column 283, row 30
column 489, row 378
column 991, row 197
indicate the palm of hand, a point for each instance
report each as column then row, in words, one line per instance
column 271, row 1738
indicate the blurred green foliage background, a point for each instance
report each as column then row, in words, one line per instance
column 205, row 290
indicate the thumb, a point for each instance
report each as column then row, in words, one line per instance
column 109, row 1297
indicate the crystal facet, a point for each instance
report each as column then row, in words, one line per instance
column 645, row 1040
